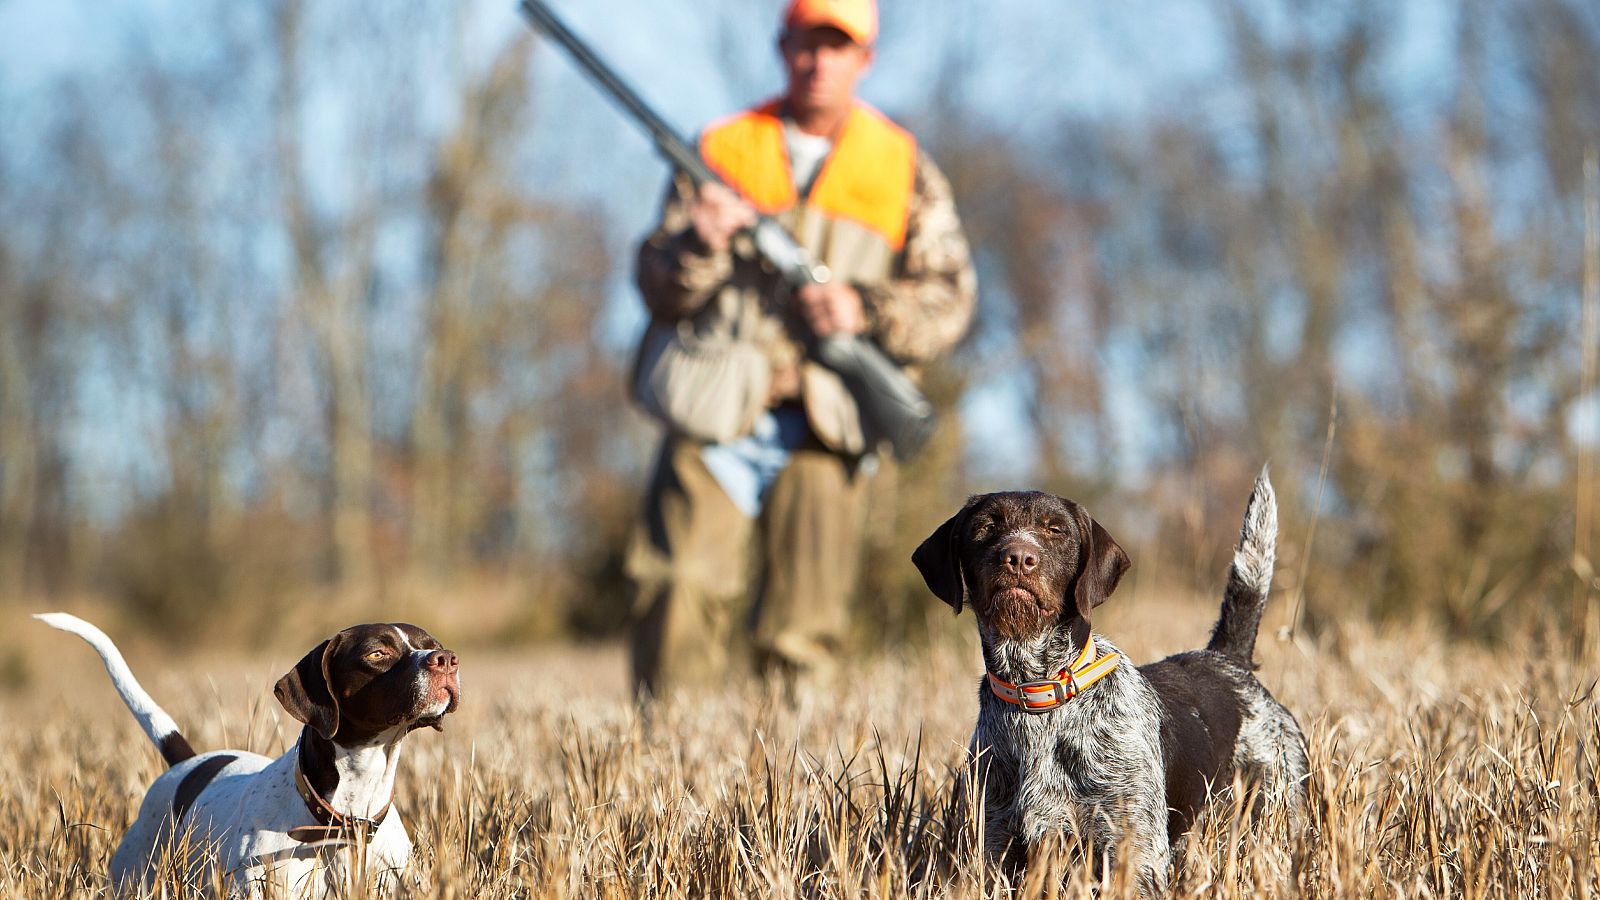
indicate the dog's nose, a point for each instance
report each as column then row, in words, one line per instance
column 1021, row 558
column 443, row 661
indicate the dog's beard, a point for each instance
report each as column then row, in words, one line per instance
column 1015, row 612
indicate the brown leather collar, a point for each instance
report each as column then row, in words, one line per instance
column 332, row 825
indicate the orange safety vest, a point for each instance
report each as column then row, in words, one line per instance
column 867, row 179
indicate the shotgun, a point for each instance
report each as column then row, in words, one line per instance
column 892, row 408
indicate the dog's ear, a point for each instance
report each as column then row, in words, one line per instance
column 938, row 558
column 307, row 692
column 1101, row 563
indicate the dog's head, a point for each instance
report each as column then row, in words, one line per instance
column 1026, row 562
column 369, row 679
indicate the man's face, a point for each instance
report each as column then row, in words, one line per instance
column 823, row 66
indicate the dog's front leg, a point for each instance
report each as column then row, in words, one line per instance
column 1050, row 861
column 1145, row 840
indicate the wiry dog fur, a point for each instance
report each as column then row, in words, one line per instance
column 1127, row 765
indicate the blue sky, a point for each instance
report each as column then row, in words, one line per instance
column 1021, row 62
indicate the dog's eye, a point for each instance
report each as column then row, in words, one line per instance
column 378, row 655
column 1054, row 529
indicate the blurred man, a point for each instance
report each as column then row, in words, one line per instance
column 857, row 192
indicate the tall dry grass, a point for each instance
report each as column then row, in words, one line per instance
column 1438, row 770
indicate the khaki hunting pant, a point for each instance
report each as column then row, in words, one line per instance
column 689, row 560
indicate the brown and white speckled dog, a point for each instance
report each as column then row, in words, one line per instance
column 1072, row 742
column 316, row 819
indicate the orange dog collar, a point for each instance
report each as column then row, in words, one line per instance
column 1053, row 693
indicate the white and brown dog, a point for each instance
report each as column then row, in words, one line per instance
column 296, row 825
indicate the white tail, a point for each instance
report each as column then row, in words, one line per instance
column 1250, row 578
column 157, row 725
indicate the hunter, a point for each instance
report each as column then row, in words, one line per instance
column 780, row 453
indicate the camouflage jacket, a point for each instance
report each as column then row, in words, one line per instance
column 918, row 312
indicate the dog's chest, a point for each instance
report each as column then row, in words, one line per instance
column 249, row 819
column 1086, row 764
column 1077, row 768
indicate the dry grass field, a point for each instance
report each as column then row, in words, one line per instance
column 1439, row 770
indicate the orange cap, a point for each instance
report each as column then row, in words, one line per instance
column 856, row 18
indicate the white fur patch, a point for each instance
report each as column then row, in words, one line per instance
column 1256, row 554
column 152, row 718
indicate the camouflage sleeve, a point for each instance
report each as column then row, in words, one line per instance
column 927, row 304
column 676, row 272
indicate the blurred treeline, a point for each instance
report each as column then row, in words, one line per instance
column 298, row 315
